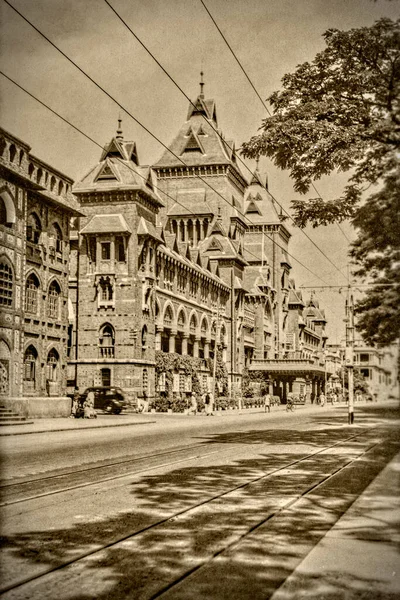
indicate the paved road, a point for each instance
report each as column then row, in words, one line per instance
column 38, row 453
column 185, row 508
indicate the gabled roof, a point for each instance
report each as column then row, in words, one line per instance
column 251, row 208
column 106, row 224
column 295, row 297
column 217, row 228
column 118, row 169
column 146, row 228
column 199, row 141
column 192, row 144
column 259, row 206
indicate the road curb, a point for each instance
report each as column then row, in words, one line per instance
column 8, row 433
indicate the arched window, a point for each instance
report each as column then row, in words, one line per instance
column 52, row 365
column 6, row 283
column 30, row 364
column 107, row 341
column 3, row 146
column 13, row 152
column 193, row 325
column 106, row 289
column 33, row 229
column 32, row 294
column 7, row 209
column 181, row 320
column 168, row 317
column 53, row 182
column 55, row 238
column 53, row 305
column 144, row 337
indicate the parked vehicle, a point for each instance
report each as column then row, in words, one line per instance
column 108, row 398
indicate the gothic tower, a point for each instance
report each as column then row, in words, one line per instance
column 113, row 280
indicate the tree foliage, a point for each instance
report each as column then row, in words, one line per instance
column 341, row 113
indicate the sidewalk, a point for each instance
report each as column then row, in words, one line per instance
column 124, row 419
column 359, row 557
column 130, row 418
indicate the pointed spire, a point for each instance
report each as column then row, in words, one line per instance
column 201, row 85
column 119, row 135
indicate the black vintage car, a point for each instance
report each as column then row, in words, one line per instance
column 110, row 399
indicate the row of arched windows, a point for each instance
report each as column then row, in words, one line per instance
column 34, row 231
column 31, row 361
column 168, row 319
column 32, row 295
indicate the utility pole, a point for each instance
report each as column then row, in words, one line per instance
column 215, row 354
column 349, row 356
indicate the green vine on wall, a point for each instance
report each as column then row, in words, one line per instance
column 170, row 363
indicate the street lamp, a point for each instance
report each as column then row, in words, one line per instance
column 349, row 355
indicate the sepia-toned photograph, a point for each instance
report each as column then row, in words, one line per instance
column 199, row 217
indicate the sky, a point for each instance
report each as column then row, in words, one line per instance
column 269, row 37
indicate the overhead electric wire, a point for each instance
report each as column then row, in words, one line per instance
column 149, row 132
column 207, row 120
column 256, row 91
column 123, row 162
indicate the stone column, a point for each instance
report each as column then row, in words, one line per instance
column 184, row 345
column 172, row 336
column 157, row 341
column 207, row 350
column 224, row 354
column 194, row 233
column 196, row 347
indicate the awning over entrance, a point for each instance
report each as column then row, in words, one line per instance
column 282, row 366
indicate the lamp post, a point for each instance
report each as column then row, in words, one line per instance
column 349, row 356
column 215, row 354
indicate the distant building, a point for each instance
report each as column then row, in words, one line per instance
column 36, row 204
column 377, row 365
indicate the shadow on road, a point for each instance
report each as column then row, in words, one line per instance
column 143, row 564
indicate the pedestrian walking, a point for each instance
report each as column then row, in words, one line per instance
column 75, row 404
column 208, row 402
column 322, row 399
column 88, row 407
column 193, row 404
column 267, row 402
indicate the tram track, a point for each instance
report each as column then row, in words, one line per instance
column 208, row 502
column 19, row 486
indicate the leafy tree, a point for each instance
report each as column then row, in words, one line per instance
column 342, row 113
column 377, row 254
column 360, row 383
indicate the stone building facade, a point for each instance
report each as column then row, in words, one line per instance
column 36, row 204
column 185, row 259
